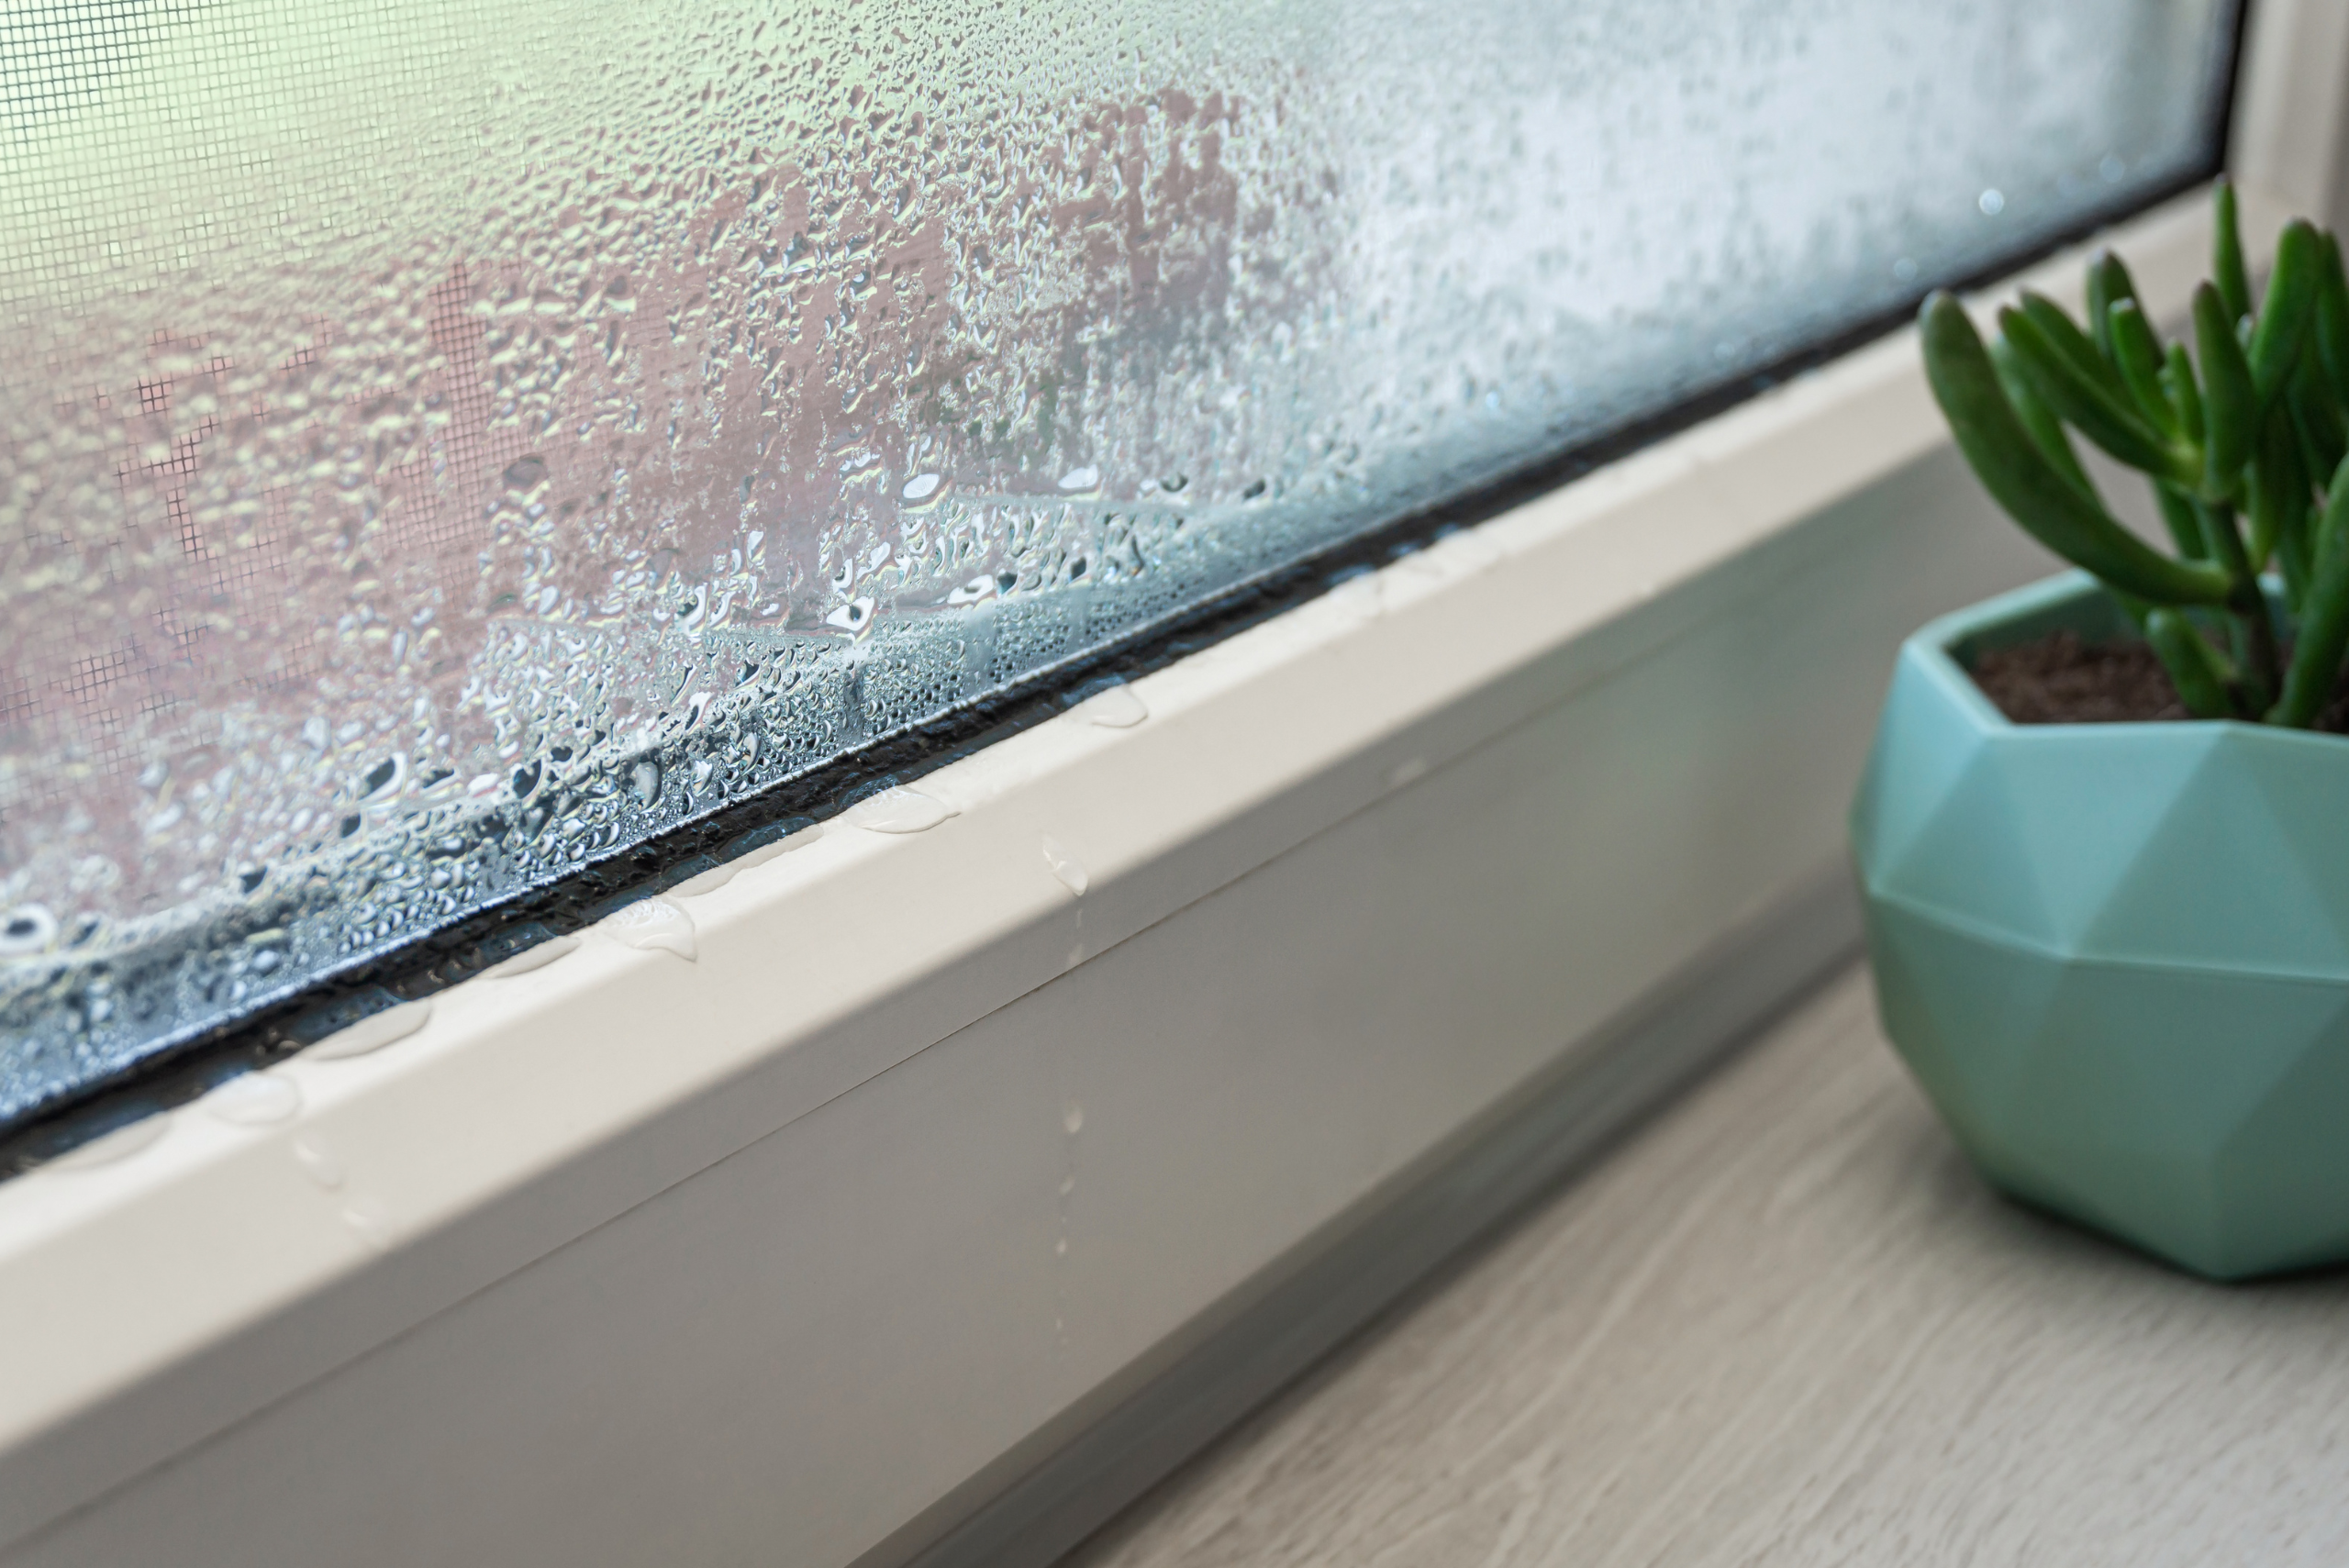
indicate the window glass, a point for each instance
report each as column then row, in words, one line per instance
column 443, row 445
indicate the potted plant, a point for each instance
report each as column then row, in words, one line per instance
column 2103, row 836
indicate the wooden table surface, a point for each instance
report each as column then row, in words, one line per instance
column 1786, row 1325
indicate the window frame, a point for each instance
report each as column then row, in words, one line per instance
column 148, row 1304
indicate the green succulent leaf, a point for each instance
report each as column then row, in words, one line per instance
column 2179, row 517
column 2104, row 414
column 2231, row 406
column 2316, row 417
column 2250, row 619
column 2045, row 430
column 2010, row 463
column 2137, row 354
column 2292, row 560
column 2324, row 618
column 2333, row 321
column 2276, row 488
column 2185, row 392
column 2194, row 666
column 2279, row 337
column 2109, row 284
column 2065, row 336
column 2227, row 270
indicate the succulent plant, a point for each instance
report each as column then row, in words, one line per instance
column 2244, row 442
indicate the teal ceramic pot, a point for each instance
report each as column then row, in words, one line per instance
column 2117, row 955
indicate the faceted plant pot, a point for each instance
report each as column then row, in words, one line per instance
column 2116, row 956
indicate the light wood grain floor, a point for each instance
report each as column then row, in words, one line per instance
column 1788, row 1326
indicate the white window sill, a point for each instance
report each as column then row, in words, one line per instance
column 1632, row 710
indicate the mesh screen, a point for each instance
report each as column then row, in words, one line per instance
column 442, row 445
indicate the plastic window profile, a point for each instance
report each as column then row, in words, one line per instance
column 529, row 1109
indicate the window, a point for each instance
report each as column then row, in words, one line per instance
column 463, row 461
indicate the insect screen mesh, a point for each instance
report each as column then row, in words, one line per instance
column 443, row 444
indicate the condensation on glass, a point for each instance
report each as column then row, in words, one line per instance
column 443, row 444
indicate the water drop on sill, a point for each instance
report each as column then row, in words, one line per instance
column 318, row 1164
column 254, row 1099
column 372, row 1034
column 897, row 811
column 654, row 924
column 709, row 881
column 1117, row 708
column 1066, row 867
column 782, row 846
column 370, row 1224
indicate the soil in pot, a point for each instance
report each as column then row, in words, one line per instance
column 2063, row 678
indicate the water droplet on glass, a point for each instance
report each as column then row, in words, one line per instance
column 897, row 811
column 385, row 778
column 644, row 782
column 1085, row 478
column 1408, row 770
column 109, row 1147
column 1992, row 202
column 1064, row 866
column 27, row 928
column 373, row 1032
column 254, row 1099
column 854, row 615
column 654, row 924
column 532, row 958
column 1073, row 1119
column 972, row 591
column 318, row 1164
column 921, row 486
column 1117, row 708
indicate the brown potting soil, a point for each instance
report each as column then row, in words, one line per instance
column 2060, row 679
